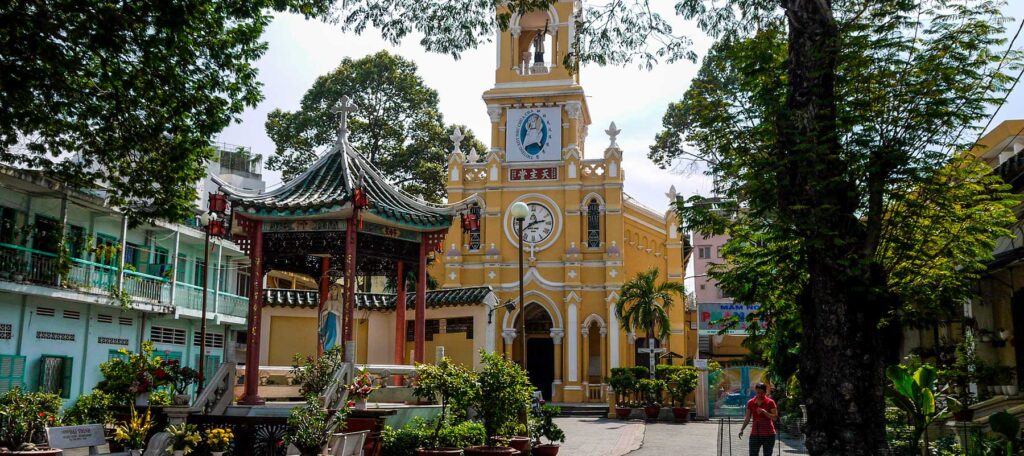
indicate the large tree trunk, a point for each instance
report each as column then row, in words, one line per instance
column 841, row 364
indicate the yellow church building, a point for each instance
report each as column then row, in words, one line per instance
column 583, row 239
column 584, row 236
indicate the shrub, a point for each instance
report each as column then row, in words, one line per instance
column 462, row 435
column 24, row 417
column 503, row 392
column 682, row 382
column 666, row 371
column 402, row 441
column 315, row 376
column 405, row 440
column 543, row 425
column 623, row 384
column 442, row 382
column 651, row 391
column 92, row 408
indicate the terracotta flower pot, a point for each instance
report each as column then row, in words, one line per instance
column 681, row 414
column 652, row 411
column 520, row 443
column 439, row 452
column 622, row 412
column 484, row 450
column 548, row 449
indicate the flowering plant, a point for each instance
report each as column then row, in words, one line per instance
column 181, row 377
column 362, row 385
column 24, row 416
column 184, row 437
column 219, row 439
column 133, row 433
column 131, row 374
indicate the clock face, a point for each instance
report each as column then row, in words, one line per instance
column 538, row 226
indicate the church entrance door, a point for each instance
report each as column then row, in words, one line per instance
column 540, row 363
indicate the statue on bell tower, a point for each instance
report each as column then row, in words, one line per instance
column 538, row 46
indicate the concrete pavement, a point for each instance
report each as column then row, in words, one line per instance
column 604, row 437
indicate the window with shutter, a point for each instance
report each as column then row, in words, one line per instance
column 12, row 372
column 593, row 224
column 55, row 374
column 212, row 362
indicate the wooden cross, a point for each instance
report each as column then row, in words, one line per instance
column 653, row 351
column 343, row 109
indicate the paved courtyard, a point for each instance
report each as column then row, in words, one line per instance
column 604, row 437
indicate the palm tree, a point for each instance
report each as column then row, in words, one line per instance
column 644, row 303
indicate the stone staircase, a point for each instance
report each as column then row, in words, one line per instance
column 577, row 410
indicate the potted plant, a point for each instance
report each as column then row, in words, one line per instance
column 18, row 269
column 502, row 392
column 132, row 434
column 442, row 381
column 184, row 438
column 181, row 377
column 218, row 440
column 681, row 384
column 310, row 425
column 651, row 391
column 622, row 384
column 544, row 426
column 24, row 417
column 361, row 387
column 315, row 374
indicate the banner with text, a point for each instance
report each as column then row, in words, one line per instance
column 710, row 317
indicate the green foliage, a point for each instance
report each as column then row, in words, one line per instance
column 614, row 33
column 91, row 408
column 503, row 392
column 664, row 371
column 314, row 374
column 542, row 425
column 160, row 398
column 405, row 440
column 650, row 390
column 184, row 438
column 913, row 392
column 310, row 425
column 24, row 417
column 398, row 126
column 134, row 90
column 681, row 383
column 623, row 384
column 644, row 304
column 443, row 382
column 1007, row 427
column 132, row 433
column 124, row 379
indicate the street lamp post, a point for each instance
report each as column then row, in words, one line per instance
column 212, row 225
column 519, row 212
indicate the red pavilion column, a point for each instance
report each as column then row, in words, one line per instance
column 350, row 286
column 325, row 290
column 421, row 302
column 252, row 340
column 400, row 315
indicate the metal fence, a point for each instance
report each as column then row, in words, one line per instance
column 731, row 444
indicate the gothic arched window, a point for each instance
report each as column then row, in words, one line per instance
column 474, row 227
column 593, row 224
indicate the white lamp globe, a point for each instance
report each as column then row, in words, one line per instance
column 204, row 219
column 520, row 210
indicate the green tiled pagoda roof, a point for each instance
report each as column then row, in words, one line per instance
column 435, row 298
column 328, row 187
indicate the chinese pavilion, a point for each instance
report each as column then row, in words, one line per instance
column 338, row 219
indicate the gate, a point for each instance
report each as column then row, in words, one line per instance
column 729, row 389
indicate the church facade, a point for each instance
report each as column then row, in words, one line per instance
column 584, row 236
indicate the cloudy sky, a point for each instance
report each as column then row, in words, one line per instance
column 300, row 51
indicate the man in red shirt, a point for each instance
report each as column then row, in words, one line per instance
column 763, row 411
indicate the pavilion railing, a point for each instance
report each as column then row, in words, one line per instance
column 336, row 393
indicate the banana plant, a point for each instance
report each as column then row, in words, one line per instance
column 914, row 393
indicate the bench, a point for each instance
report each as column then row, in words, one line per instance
column 71, row 437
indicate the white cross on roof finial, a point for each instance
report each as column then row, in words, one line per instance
column 343, row 109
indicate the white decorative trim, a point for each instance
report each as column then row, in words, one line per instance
column 591, row 319
column 585, row 201
column 631, row 337
column 532, row 84
column 573, row 363
column 572, row 388
column 613, row 339
column 573, row 109
column 541, row 299
column 573, row 297
column 648, row 225
column 504, row 96
column 494, row 112
column 509, row 334
column 612, row 297
column 556, row 335
column 532, row 198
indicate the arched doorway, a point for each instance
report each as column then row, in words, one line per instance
column 540, row 348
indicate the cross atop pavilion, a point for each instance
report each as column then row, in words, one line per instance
column 343, row 109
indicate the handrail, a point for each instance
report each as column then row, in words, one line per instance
column 145, row 276
column 219, row 392
column 27, row 250
column 336, row 394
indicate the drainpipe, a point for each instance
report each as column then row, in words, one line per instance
column 63, row 231
column 120, row 260
column 174, row 266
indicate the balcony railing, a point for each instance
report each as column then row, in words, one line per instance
column 25, row 265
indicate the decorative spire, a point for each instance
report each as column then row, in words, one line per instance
column 612, row 133
column 671, row 194
column 343, row 109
